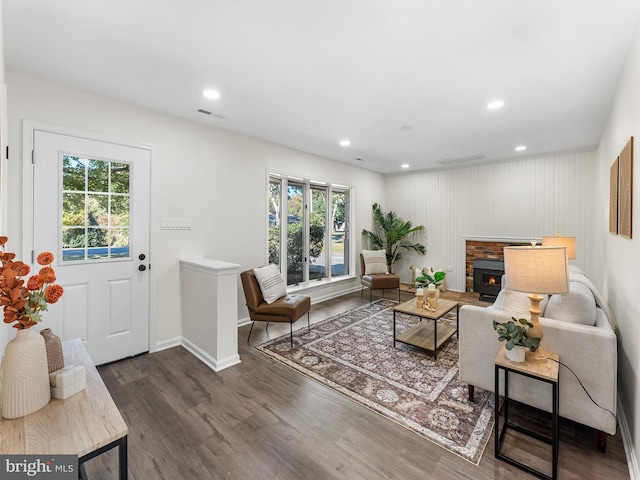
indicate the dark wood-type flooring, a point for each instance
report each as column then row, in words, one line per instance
column 262, row 420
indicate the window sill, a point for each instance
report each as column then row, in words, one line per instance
column 316, row 284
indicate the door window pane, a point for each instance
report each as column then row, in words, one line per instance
column 98, row 210
column 98, row 176
column 73, row 173
column 73, row 209
column 120, row 173
column 95, row 208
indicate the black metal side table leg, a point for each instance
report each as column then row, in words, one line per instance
column 556, row 429
column 394, row 329
column 123, row 459
column 496, row 409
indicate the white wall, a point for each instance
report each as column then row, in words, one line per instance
column 525, row 198
column 214, row 177
column 621, row 260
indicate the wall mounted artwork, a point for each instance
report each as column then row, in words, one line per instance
column 613, row 198
column 625, row 190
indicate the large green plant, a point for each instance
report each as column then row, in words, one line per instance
column 392, row 234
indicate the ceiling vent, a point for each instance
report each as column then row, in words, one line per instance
column 455, row 161
column 207, row 112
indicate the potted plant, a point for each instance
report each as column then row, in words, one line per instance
column 426, row 279
column 392, row 234
column 514, row 332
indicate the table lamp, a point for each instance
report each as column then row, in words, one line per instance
column 558, row 241
column 541, row 270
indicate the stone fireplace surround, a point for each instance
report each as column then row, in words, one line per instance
column 486, row 247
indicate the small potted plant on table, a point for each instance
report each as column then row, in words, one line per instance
column 515, row 334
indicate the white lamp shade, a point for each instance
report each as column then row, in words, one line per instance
column 558, row 241
column 537, row 269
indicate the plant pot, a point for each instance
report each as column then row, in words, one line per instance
column 25, row 375
column 517, row 353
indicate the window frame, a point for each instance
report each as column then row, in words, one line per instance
column 308, row 185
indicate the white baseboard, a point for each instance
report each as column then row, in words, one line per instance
column 164, row 344
column 627, row 441
column 329, row 296
column 208, row 360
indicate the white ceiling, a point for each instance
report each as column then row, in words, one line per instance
column 309, row 73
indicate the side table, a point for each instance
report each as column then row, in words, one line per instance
column 546, row 372
column 86, row 424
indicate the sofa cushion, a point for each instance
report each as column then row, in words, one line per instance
column 578, row 305
column 518, row 303
column 271, row 283
column 375, row 261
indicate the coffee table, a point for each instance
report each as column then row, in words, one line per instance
column 426, row 335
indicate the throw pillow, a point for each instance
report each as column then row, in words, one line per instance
column 578, row 305
column 271, row 283
column 518, row 303
column 375, row 261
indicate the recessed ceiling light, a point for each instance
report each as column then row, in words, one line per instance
column 405, row 165
column 212, row 94
column 345, row 143
column 521, row 148
column 495, row 104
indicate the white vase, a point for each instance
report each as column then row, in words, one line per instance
column 25, row 375
column 516, row 354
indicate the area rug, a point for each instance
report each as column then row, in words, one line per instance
column 353, row 353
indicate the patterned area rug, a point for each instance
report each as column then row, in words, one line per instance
column 353, row 354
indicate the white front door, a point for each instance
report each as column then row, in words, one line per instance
column 91, row 210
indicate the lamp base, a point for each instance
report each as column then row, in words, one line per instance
column 536, row 356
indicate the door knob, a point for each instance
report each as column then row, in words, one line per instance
column 142, row 268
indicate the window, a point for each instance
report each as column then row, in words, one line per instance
column 95, row 216
column 308, row 226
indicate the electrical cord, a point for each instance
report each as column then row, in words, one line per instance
column 583, row 387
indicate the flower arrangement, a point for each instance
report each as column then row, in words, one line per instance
column 25, row 304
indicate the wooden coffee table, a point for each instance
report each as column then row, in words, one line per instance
column 426, row 335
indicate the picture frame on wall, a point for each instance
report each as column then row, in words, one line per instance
column 625, row 190
column 613, row 198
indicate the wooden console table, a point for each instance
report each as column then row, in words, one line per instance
column 86, row 424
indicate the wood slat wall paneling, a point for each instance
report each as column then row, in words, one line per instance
column 524, row 198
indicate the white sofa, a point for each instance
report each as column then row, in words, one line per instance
column 590, row 350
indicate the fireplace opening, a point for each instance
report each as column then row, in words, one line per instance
column 487, row 277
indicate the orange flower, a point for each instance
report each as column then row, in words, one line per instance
column 35, row 282
column 53, row 293
column 23, row 304
column 47, row 274
column 45, row 258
